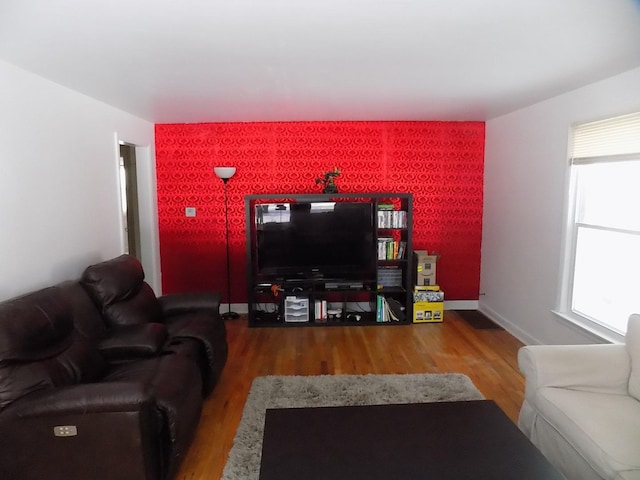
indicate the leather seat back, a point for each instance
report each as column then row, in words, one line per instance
column 118, row 289
column 85, row 314
column 40, row 348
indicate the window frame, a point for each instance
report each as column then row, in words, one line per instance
column 572, row 227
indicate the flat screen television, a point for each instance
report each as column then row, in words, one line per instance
column 315, row 239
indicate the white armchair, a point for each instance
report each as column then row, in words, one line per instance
column 582, row 406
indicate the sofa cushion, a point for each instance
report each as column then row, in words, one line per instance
column 602, row 428
column 114, row 280
column 86, row 316
column 134, row 342
column 174, row 383
column 39, row 347
column 632, row 341
column 34, row 326
column 209, row 330
column 118, row 289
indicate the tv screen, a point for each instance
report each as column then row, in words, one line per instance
column 322, row 239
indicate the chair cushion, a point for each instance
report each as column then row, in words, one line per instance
column 633, row 347
column 603, row 428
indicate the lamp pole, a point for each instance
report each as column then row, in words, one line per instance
column 225, row 173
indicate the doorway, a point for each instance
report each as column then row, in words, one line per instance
column 129, row 199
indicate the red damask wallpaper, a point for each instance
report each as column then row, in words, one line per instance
column 441, row 163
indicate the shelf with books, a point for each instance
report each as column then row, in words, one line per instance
column 394, row 242
column 314, row 281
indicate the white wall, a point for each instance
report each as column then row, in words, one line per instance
column 59, row 204
column 526, row 170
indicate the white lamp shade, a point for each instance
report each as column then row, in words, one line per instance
column 224, row 172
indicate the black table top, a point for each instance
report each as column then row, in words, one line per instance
column 448, row 440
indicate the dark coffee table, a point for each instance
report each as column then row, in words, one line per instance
column 435, row 441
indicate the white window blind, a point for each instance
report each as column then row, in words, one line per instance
column 606, row 138
column 603, row 247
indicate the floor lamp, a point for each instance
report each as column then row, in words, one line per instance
column 225, row 173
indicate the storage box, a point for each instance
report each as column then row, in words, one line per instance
column 424, row 312
column 296, row 309
column 428, row 294
column 425, row 268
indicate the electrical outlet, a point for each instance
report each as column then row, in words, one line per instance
column 65, row 431
column 190, row 212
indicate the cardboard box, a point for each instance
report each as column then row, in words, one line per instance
column 425, row 268
column 428, row 294
column 424, row 312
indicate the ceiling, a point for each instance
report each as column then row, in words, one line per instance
column 175, row 61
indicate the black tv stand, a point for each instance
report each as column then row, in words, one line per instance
column 318, row 300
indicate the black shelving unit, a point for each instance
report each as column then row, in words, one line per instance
column 278, row 301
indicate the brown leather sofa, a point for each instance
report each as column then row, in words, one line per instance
column 104, row 385
column 126, row 301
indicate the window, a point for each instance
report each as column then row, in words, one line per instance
column 602, row 270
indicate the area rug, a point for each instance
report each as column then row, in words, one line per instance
column 332, row 391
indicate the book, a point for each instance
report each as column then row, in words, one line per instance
column 320, row 307
column 402, row 249
column 383, row 247
column 396, row 310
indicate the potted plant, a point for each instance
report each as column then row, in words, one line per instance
column 328, row 181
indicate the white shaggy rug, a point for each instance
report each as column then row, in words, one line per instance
column 332, row 391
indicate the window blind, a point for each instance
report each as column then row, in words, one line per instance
column 616, row 138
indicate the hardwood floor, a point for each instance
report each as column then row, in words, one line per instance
column 488, row 357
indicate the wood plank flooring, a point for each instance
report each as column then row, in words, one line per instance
column 488, row 357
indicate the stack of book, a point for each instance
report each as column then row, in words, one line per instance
column 390, row 218
column 389, row 310
column 390, row 249
column 320, row 311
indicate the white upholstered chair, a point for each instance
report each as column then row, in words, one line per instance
column 582, row 406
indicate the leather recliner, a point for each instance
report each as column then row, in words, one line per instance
column 81, row 401
column 192, row 320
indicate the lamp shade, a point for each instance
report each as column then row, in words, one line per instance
column 224, row 172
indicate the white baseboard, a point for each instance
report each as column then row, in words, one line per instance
column 514, row 330
column 461, row 304
column 235, row 307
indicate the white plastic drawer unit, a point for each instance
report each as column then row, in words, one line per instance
column 296, row 309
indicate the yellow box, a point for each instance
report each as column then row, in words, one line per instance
column 426, row 288
column 431, row 312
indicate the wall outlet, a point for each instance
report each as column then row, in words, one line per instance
column 190, row 212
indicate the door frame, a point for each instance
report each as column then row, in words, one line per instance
column 147, row 210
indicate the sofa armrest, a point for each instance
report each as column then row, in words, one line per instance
column 597, row 368
column 179, row 303
column 88, row 431
column 134, row 341
column 82, row 399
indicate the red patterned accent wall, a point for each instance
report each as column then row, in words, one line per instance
column 441, row 163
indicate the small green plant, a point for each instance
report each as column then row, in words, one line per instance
column 328, row 181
